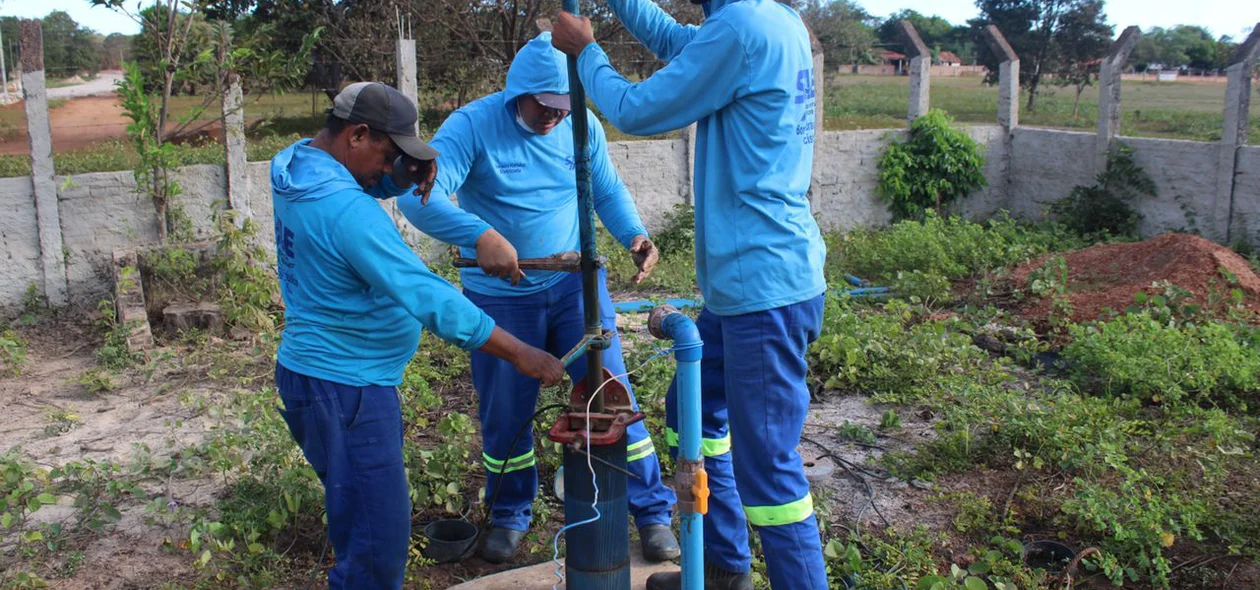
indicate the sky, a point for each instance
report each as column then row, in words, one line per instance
column 1221, row 17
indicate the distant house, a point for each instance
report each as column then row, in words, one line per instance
column 949, row 58
column 891, row 58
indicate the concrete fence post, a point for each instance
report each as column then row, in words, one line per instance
column 819, row 83
column 39, row 132
column 1237, row 109
column 405, row 59
column 920, row 70
column 1008, row 78
column 1109, row 93
column 234, row 145
column 689, row 164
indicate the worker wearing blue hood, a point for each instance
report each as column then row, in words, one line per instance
column 509, row 159
column 356, row 297
column 746, row 78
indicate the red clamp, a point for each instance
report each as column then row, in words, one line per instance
column 605, row 427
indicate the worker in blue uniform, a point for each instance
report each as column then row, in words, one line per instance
column 746, row 78
column 356, row 297
column 509, row 159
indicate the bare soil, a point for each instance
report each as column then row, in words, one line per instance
column 1107, row 276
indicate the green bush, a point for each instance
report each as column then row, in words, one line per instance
column 1166, row 363
column 12, row 352
column 922, row 258
column 675, row 273
column 936, row 165
column 1105, row 208
column 890, row 354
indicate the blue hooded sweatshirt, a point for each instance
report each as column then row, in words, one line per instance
column 518, row 182
column 355, row 294
column 746, row 77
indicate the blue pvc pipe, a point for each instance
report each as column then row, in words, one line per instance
column 687, row 352
column 645, row 306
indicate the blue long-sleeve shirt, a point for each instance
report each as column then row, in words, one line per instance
column 518, row 182
column 356, row 296
column 746, row 78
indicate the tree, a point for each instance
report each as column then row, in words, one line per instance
column 1182, row 46
column 115, row 49
column 1032, row 28
column 843, row 28
column 214, row 53
column 1082, row 39
column 68, row 48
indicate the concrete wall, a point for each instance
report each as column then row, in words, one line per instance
column 19, row 236
column 1246, row 222
column 1185, row 179
column 1046, row 164
column 1026, row 172
column 846, row 174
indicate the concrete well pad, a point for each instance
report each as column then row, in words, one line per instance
column 542, row 576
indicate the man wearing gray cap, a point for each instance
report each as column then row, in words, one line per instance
column 356, row 298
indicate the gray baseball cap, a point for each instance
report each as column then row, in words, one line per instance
column 553, row 100
column 384, row 110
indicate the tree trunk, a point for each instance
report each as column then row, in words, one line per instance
column 1076, row 105
column 1032, row 95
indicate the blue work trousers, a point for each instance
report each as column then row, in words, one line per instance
column 753, row 405
column 552, row 320
column 353, row 436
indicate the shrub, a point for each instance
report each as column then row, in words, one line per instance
column 888, row 354
column 921, row 258
column 936, row 165
column 1166, row 363
column 1105, row 207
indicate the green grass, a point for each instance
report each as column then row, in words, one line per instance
column 1173, row 110
column 119, row 155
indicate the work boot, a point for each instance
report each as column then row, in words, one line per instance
column 658, row 543
column 714, row 579
column 501, row 545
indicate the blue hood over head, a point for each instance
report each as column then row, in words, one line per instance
column 303, row 173
column 537, row 68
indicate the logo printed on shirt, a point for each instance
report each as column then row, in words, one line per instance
column 511, row 167
column 570, row 163
column 285, row 256
column 804, row 85
column 805, row 97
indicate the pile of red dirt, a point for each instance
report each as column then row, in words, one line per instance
column 1107, row 276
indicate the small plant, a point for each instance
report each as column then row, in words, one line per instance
column 34, row 305
column 890, row 420
column 678, row 232
column 1105, row 208
column 1050, row 279
column 936, row 165
column 857, row 433
column 249, row 288
column 12, row 352
column 97, row 381
column 113, row 352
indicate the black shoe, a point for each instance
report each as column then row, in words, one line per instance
column 658, row 543
column 714, row 579
column 501, row 545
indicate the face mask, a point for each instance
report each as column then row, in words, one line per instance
column 521, row 122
